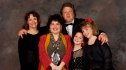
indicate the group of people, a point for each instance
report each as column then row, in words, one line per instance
column 65, row 43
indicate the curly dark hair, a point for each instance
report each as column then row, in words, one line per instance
column 55, row 17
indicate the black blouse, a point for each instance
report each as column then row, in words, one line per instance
column 100, row 56
column 79, row 60
column 28, row 51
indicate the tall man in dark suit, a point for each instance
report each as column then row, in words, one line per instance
column 68, row 13
column 72, row 24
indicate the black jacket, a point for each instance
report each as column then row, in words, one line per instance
column 100, row 56
column 81, row 62
column 76, row 26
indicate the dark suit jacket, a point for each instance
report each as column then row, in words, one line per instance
column 44, row 30
column 76, row 26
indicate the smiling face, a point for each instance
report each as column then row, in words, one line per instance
column 55, row 27
column 87, row 31
column 68, row 14
column 32, row 21
column 78, row 38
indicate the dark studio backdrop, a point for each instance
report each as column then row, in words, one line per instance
column 109, row 15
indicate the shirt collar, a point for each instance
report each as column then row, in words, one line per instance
column 71, row 22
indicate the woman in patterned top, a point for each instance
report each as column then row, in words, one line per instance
column 78, row 61
column 54, row 47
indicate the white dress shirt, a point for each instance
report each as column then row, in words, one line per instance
column 69, row 28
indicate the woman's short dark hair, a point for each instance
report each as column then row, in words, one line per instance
column 27, row 15
column 55, row 17
column 67, row 4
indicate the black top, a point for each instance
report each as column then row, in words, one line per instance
column 28, row 52
column 100, row 56
column 79, row 60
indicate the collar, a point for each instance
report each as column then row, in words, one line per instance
column 70, row 22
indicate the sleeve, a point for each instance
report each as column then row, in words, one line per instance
column 86, row 63
column 44, row 30
column 108, row 57
column 100, row 31
column 43, row 56
column 22, row 52
column 67, row 55
column 70, row 62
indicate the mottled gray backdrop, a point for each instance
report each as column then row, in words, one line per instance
column 109, row 15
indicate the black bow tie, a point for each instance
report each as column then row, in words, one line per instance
column 69, row 24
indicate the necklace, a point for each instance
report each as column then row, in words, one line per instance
column 56, row 44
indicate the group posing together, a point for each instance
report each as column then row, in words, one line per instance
column 65, row 43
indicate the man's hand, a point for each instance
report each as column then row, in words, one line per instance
column 103, row 38
column 22, row 32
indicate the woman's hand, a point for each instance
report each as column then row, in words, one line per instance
column 103, row 38
column 53, row 66
column 60, row 67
